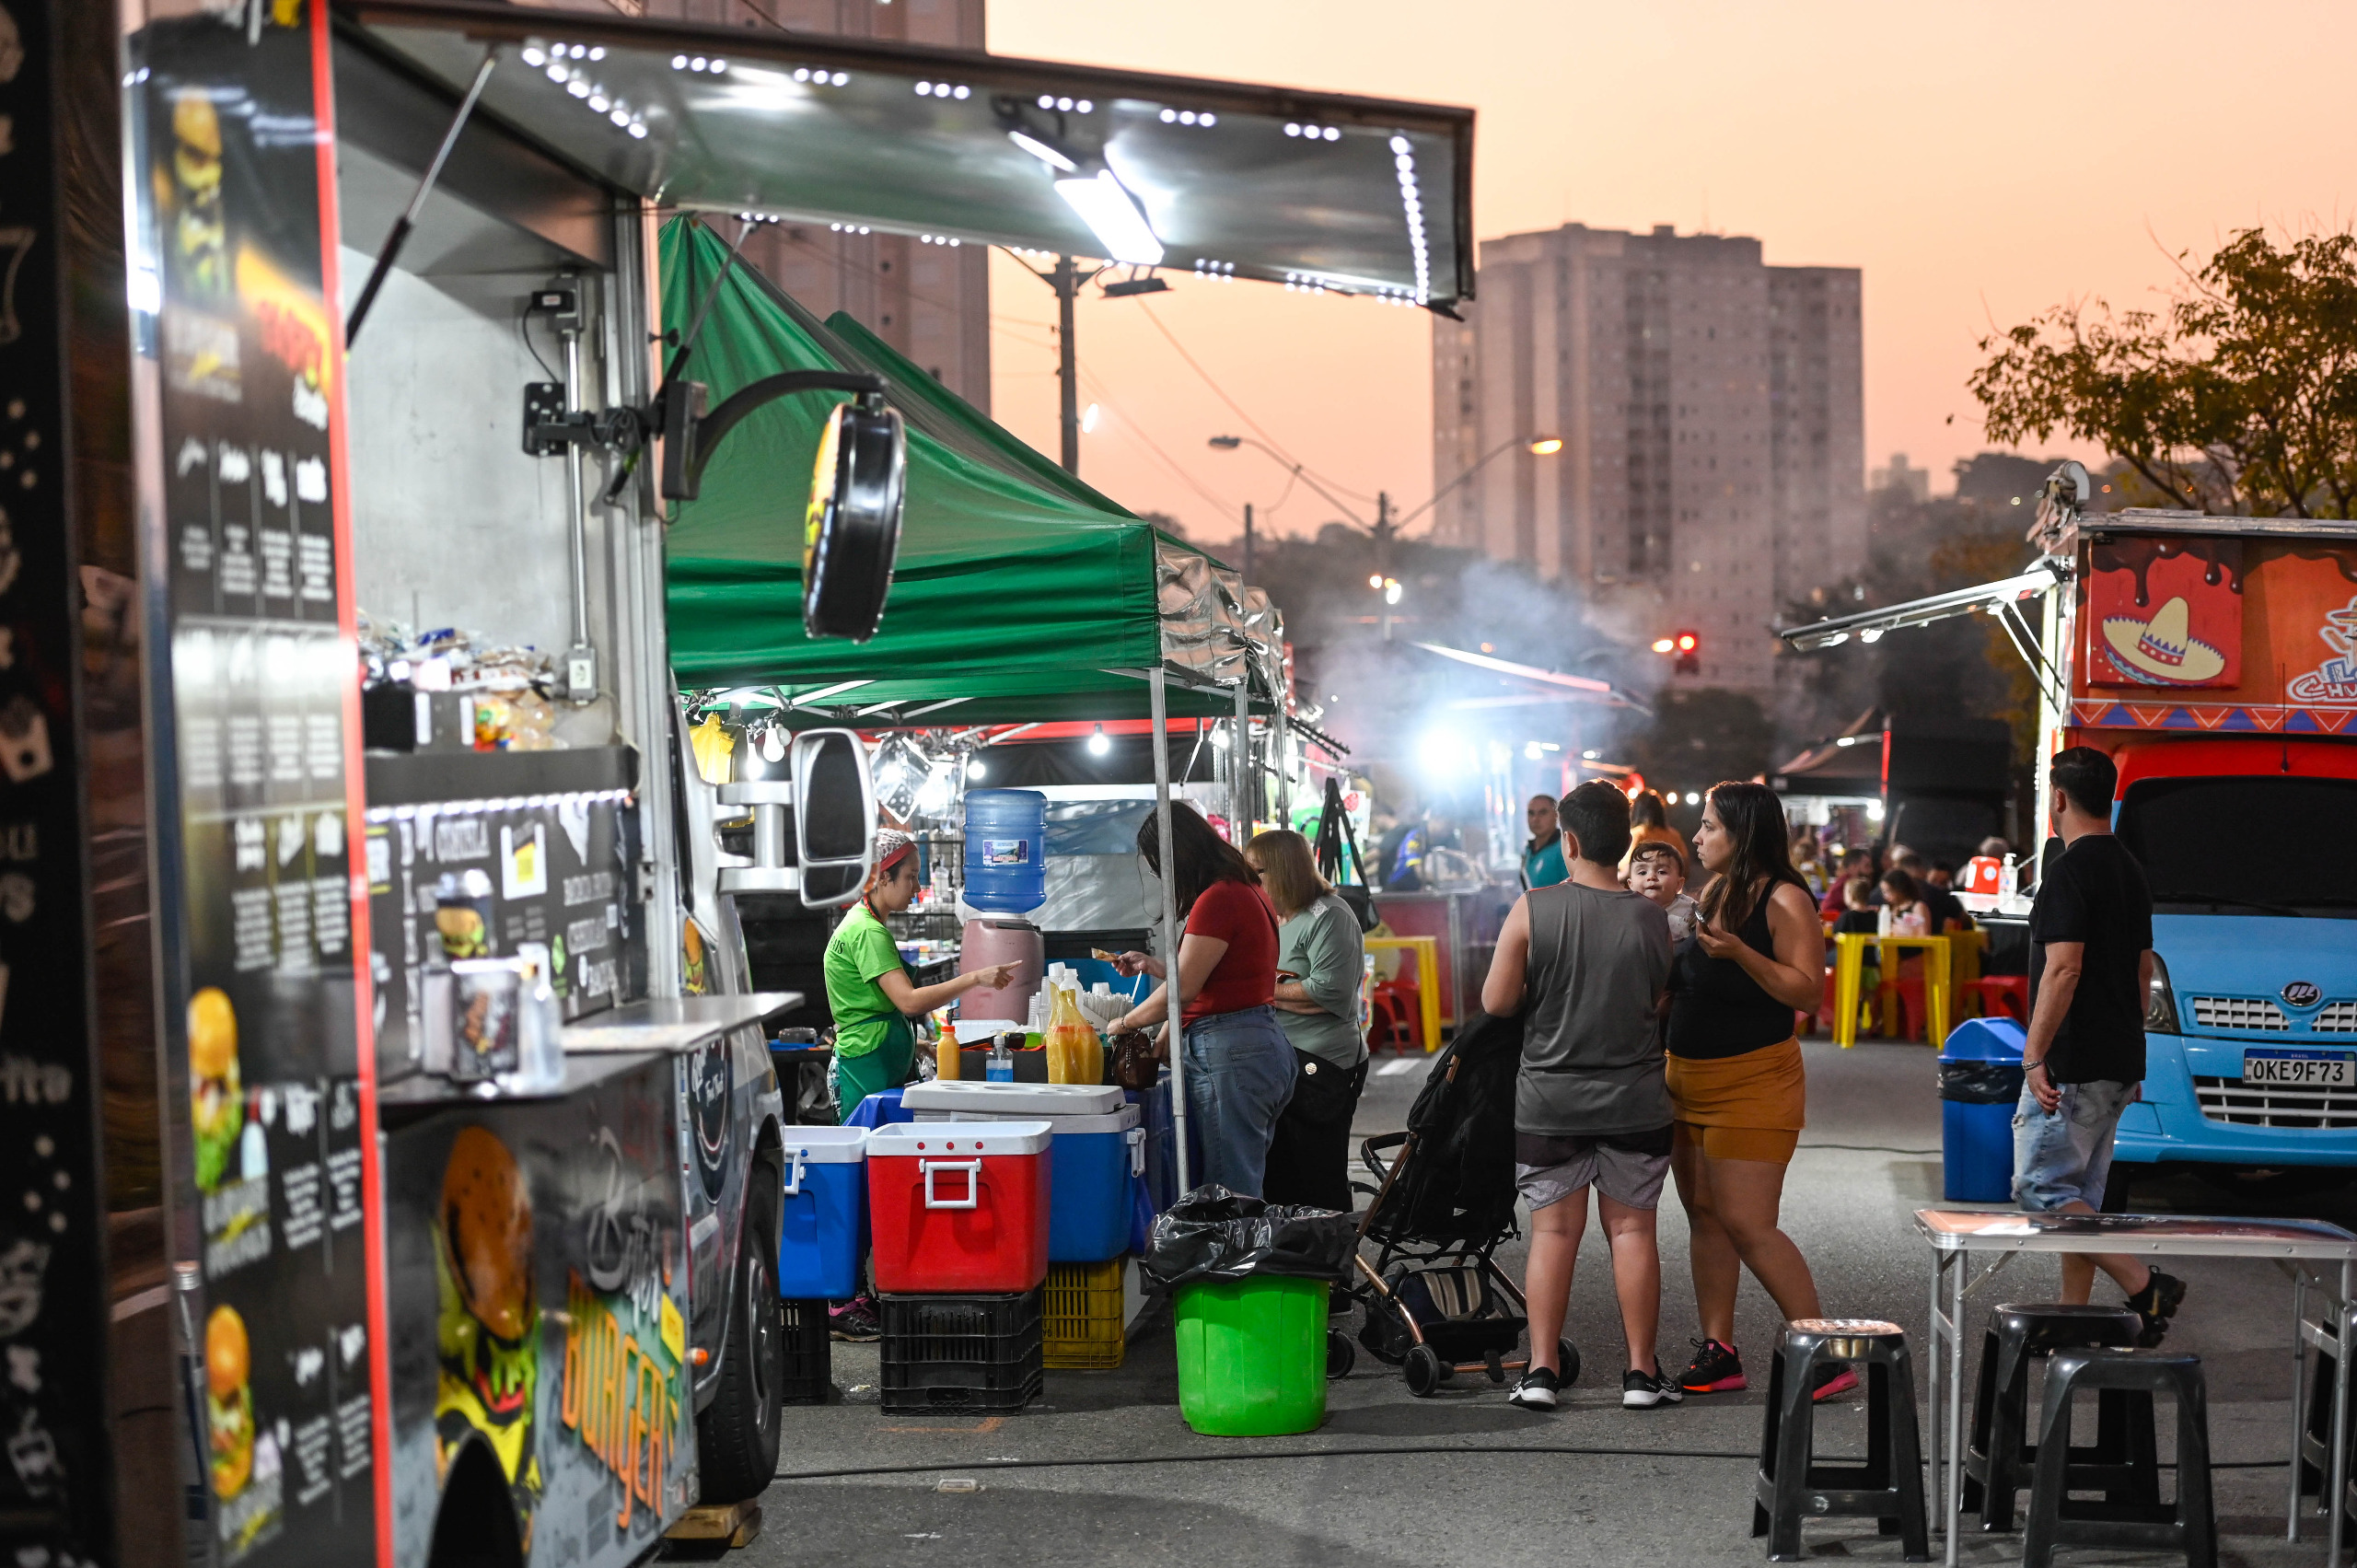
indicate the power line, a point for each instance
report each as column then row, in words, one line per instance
column 1238, row 408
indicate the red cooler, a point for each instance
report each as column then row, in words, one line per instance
column 958, row 1208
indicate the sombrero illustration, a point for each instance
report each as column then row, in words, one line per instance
column 2162, row 650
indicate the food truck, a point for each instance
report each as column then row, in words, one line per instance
column 394, row 1149
column 2215, row 660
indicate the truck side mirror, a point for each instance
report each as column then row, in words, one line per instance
column 834, row 816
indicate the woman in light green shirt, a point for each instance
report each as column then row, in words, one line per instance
column 869, row 990
column 1320, row 971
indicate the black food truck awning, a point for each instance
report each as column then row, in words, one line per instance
column 1318, row 191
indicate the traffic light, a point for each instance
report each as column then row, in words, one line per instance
column 1689, row 649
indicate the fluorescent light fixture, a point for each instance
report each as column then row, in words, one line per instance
column 1112, row 214
column 1534, row 752
column 1044, row 153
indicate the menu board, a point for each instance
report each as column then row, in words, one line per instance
column 257, row 798
column 53, row 1492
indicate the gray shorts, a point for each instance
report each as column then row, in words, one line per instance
column 1625, row 1176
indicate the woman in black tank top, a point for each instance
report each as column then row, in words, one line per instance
column 1757, row 957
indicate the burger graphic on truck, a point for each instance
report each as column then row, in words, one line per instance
column 216, row 1097
column 228, row 1402
column 489, row 1333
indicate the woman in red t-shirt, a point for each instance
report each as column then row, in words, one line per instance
column 1239, row 1064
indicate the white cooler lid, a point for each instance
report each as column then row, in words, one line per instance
column 826, row 1145
column 1120, row 1121
column 1013, row 1099
column 984, row 1030
column 941, row 1140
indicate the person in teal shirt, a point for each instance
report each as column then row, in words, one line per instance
column 868, row 989
column 1542, row 858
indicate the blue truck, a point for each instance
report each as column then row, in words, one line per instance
column 2215, row 660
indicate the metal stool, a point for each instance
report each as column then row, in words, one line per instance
column 2188, row 1524
column 1888, row 1487
column 1997, row 1461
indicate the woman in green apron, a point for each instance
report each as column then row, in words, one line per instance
column 869, row 990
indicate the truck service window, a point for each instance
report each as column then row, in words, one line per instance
column 2260, row 845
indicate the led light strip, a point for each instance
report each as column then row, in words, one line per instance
column 554, row 60
column 1403, row 159
column 1068, row 105
column 1188, row 117
column 1314, row 132
column 944, row 89
column 484, row 807
column 1224, row 272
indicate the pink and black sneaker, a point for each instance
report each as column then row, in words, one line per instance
column 1715, row 1369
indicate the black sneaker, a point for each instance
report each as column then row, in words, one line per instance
column 854, row 1323
column 1830, row 1378
column 1536, row 1392
column 2156, row 1303
column 1644, row 1390
column 1715, row 1369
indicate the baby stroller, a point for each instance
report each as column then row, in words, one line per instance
column 1437, row 1302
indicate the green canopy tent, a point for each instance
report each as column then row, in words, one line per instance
column 1020, row 594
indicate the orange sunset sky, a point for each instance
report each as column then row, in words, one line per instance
column 1979, row 162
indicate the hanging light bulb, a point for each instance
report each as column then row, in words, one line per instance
column 1097, row 743
column 772, row 745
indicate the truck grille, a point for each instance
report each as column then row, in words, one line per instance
column 2228, row 1099
column 2238, row 1012
column 2337, row 1018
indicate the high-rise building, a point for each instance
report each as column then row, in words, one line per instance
column 931, row 301
column 1913, row 483
column 1711, row 411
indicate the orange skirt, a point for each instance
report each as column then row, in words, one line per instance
column 1748, row 1107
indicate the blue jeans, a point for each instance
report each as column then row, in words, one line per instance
column 2066, row 1153
column 1239, row 1078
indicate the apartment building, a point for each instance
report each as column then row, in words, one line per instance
column 1710, row 407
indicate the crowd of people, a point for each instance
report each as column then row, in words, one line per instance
column 1659, row 1033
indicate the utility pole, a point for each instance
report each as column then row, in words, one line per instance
column 1248, row 544
column 1383, row 532
column 1065, row 281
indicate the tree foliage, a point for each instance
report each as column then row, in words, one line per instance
column 2239, row 397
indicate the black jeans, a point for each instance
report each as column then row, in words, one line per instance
column 1310, row 1154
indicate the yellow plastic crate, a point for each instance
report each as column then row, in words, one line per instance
column 1083, row 1316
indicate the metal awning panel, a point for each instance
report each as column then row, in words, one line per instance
column 1869, row 624
column 1319, row 191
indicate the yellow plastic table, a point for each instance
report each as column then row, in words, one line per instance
column 1427, row 951
column 1849, row 965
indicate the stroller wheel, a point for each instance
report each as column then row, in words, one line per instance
column 1424, row 1371
column 1567, row 1362
column 1340, row 1355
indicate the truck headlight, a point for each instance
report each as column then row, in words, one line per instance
column 2160, row 1005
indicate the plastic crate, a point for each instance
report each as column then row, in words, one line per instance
column 809, row 1352
column 961, row 1352
column 1083, row 1316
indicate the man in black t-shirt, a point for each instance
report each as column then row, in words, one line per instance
column 2091, row 969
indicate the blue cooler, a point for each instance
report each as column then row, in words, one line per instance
column 825, row 1206
column 1096, row 1160
column 1981, row 1081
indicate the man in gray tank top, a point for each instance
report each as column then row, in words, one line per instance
column 1587, row 962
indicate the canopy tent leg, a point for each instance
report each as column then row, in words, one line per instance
column 1240, row 773
column 1170, row 922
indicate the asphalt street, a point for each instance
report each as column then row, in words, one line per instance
column 1102, row 1469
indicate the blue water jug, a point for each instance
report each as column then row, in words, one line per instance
column 1006, row 841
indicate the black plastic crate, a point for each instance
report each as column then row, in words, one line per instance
column 809, row 1352
column 962, row 1352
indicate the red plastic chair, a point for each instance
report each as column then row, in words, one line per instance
column 1398, row 1017
column 2005, row 995
column 1914, row 1017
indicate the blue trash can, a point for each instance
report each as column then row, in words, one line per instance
column 1981, row 1081
column 825, row 1207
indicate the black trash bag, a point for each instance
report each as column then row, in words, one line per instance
column 1981, row 1083
column 1213, row 1234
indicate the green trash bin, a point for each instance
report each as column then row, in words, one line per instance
column 1252, row 1355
